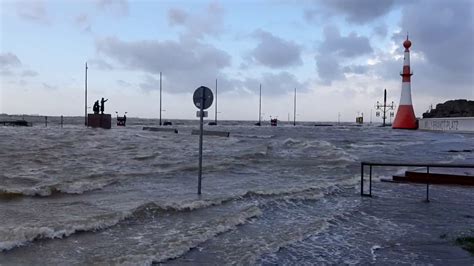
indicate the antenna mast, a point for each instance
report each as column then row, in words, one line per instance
column 85, row 102
column 260, row 107
column 216, row 105
column 294, row 114
column 160, row 98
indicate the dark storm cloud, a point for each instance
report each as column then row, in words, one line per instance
column 442, row 53
column 275, row 52
column 444, row 33
column 184, row 64
column 352, row 45
column 359, row 12
column 155, row 56
column 8, row 60
column 336, row 49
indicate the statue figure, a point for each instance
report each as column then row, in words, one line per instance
column 96, row 107
column 102, row 105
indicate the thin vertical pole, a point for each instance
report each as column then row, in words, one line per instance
column 201, row 115
column 260, row 107
column 160, row 98
column 85, row 101
column 370, row 180
column 61, row 121
column 427, row 184
column 215, row 116
column 46, row 121
column 384, row 105
column 362, row 179
column 294, row 113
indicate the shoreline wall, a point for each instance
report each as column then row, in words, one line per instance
column 451, row 124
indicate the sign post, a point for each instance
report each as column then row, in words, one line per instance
column 202, row 99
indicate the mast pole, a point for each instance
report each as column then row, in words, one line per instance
column 384, row 105
column 294, row 114
column 160, row 98
column 216, row 105
column 85, row 98
column 260, row 107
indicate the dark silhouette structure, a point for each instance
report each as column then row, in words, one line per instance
column 273, row 122
column 102, row 105
column 99, row 119
column 95, row 108
column 121, row 120
column 453, row 108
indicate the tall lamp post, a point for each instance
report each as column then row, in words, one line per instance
column 85, row 103
column 160, row 98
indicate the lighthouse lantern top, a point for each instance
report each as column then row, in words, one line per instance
column 407, row 43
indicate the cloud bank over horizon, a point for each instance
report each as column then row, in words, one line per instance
column 325, row 49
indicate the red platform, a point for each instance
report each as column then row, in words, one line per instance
column 99, row 120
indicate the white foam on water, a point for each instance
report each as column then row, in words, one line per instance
column 372, row 251
column 130, row 173
column 192, row 238
column 20, row 235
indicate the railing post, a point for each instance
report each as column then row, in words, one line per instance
column 362, row 179
column 427, row 183
column 370, row 180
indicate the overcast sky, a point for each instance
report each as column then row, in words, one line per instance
column 338, row 54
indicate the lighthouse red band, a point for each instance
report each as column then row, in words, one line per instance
column 405, row 118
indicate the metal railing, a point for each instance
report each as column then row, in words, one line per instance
column 427, row 165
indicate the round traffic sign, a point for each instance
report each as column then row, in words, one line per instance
column 204, row 95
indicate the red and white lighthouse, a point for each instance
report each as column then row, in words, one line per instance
column 405, row 118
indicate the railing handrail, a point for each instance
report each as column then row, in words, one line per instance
column 435, row 165
column 425, row 165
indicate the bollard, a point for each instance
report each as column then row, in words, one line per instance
column 46, row 121
column 61, row 121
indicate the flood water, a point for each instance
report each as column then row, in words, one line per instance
column 270, row 195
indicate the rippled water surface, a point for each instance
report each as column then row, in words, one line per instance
column 75, row 195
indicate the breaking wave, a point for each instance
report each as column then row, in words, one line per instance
column 20, row 235
column 44, row 190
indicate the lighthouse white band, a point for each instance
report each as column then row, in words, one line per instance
column 405, row 98
column 406, row 58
